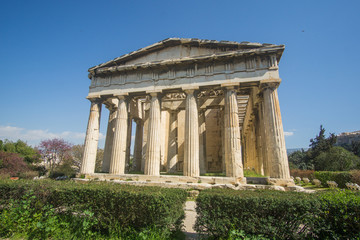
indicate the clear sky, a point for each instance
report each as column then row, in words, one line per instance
column 46, row 48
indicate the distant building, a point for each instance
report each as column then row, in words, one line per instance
column 348, row 138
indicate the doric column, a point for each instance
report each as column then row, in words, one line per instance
column 259, row 151
column 145, row 137
column 232, row 142
column 138, row 145
column 202, row 141
column 128, row 145
column 191, row 144
column 263, row 140
column 172, row 148
column 118, row 153
column 92, row 138
column 109, row 140
column 279, row 166
column 152, row 162
column 164, row 139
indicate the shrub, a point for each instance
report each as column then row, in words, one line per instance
column 12, row 164
column 355, row 176
column 278, row 215
column 281, row 215
column 341, row 178
column 338, row 216
column 302, row 173
column 113, row 205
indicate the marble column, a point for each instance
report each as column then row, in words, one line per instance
column 263, row 140
column 164, row 130
column 279, row 166
column 259, row 151
column 172, row 148
column 128, row 145
column 234, row 167
column 191, row 144
column 92, row 138
column 118, row 153
column 109, row 140
column 202, row 141
column 138, row 145
column 152, row 162
column 145, row 137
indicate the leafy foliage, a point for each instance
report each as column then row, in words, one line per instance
column 341, row 178
column 28, row 153
column 336, row 159
column 54, row 151
column 278, row 215
column 113, row 206
column 324, row 156
column 12, row 164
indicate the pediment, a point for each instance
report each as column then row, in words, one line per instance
column 179, row 48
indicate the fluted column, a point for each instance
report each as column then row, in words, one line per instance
column 118, row 153
column 191, row 144
column 109, row 140
column 259, row 150
column 234, row 167
column 278, row 161
column 202, row 142
column 92, row 138
column 172, row 148
column 128, row 145
column 138, row 145
column 152, row 162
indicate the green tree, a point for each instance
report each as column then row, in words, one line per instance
column 336, row 159
column 30, row 154
column 299, row 160
column 321, row 144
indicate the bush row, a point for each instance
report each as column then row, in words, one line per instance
column 113, row 205
column 341, row 178
column 279, row 215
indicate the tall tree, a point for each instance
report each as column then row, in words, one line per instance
column 54, row 152
column 321, row 144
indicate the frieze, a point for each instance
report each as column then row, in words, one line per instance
column 174, row 96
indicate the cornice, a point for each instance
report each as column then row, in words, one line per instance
column 188, row 60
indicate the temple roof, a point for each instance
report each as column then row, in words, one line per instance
column 223, row 46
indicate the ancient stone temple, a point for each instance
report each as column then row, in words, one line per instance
column 198, row 106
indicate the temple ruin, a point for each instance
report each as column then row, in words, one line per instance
column 199, row 106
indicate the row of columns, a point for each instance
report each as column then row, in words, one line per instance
column 115, row 163
column 264, row 143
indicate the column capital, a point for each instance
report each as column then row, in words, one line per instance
column 273, row 84
column 229, row 85
column 122, row 96
column 94, row 99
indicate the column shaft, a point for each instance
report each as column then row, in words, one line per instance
column 172, row 148
column 232, row 142
column 152, row 163
column 191, row 144
column 202, row 142
column 109, row 140
column 91, row 139
column 138, row 145
column 279, row 166
column 118, row 153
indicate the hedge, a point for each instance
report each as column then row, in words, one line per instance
column 278, row 215
column 113, row 205
column 341, row 178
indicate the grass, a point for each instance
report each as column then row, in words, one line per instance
column 251, row 173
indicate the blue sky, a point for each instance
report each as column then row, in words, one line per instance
column 46, row 48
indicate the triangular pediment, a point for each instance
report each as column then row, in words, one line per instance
column 179, row 48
